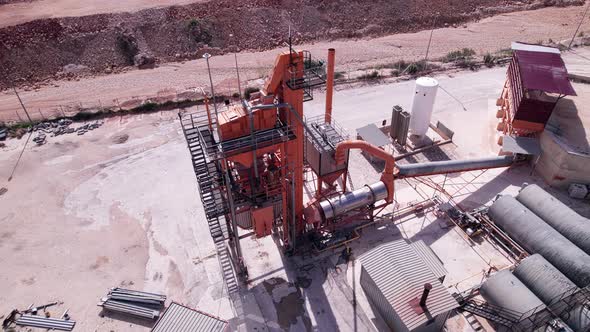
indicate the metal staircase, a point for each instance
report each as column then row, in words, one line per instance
column 492, row 313
column 208, row 175
column 200, row 139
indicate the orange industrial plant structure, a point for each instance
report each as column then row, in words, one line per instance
column 250, row 159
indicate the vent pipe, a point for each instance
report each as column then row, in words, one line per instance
column 427, row 288
column 330, row 84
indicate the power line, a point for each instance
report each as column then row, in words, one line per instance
column 20, row 156
column 22, row 105
column 463, row 105
column 578, row 28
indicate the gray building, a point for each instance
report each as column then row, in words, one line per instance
column 394, row 275
column 179, row 318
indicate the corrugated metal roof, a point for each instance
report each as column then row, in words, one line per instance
column 400, row 274
column 429, row 258
column 523, row 145
column 178, row 318
column 517, row 46
column 544, row 71
column 371, row 134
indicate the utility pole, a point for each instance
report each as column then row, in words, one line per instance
column 22, row 105
column 578, row 28
column 238, row 74
column 235, row 236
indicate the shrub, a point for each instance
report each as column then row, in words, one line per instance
column 467, row 63
column 413, row 68
column 249, row 91
column 199, row 31
column 128, row 46
column 458, row 55
column 370, row 76
column 489, row 60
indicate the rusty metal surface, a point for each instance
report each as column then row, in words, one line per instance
column 544, row 71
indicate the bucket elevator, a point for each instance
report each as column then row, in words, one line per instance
column 250, row 159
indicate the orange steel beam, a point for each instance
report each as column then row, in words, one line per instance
column 288, row 66
column 330, row 84
column 387, row 176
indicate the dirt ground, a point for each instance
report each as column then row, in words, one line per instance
column 86, row 213
column 74, row 46
column 137, row 86
column 22, row 11
column 77, row 220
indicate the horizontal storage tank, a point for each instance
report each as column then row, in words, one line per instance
column 423, row 105
column 536, row 236
column 543, row 279
column 560, row 216
column 550, row 285
column 504, row 290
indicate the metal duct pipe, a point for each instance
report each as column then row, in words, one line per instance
column 548, row 284
column 367, row 195
column 558, row 215
column 536, row 236
column 452, row 166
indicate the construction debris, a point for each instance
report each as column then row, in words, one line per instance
column 46, row 322
column 129, row 309
column 134, row 303
column 121, row 294
column 60, row 127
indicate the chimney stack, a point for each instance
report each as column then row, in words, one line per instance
column 427, row 288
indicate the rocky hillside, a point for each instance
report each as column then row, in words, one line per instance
column 100, row 44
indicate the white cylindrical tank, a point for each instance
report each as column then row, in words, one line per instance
column 423, row 105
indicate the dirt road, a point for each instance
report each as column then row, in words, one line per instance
column 21, row 12
column 490, row 34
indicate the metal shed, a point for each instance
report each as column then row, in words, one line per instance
column 179, row 318
column 536, row 80
column 393, row 276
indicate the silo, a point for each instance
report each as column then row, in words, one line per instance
column 561, row 217
column 504, row 290
column 423, row 105
column 550, row 285
column 536, row 236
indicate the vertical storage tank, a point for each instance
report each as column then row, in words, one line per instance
column 537, row 237
column 558, row 215
column 423, row 105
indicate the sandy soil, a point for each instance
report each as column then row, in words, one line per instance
column 489, row 34
column 84, row 213
column 21, row 12
column 78, row 219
